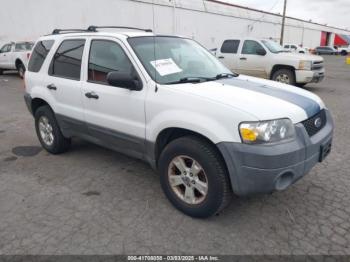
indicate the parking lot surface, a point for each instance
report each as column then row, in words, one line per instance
column 94, row 201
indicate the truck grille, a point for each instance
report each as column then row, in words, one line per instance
column 317, row 65
column 315, row 123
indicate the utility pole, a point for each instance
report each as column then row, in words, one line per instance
column 283, row 21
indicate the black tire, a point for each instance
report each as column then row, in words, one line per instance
column 300, row 84
column 343, row 53
column 1, row 72
column 287, row 72
column 21, row 70
column 219, row 191
column 60, row 143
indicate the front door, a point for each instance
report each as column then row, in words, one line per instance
column 115, row 116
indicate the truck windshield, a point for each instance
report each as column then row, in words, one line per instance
column 273, row 46
column 170, row 60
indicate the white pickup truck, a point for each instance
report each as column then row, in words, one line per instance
column 343, row 50
column 267, row 59
column 15, row 56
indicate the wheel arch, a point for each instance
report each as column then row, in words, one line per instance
column 170, row 134
column 38, row 102
column 18, row 62
column 277, row 67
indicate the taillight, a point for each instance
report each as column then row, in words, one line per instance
column 28, row 55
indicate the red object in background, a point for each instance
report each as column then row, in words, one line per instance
column 339, row 40
column 323, row 38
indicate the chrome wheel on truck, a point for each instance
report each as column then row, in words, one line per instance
column 46, row 131
column 194, row 176
column 188, row 180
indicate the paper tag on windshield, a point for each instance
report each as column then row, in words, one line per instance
column 166, row 66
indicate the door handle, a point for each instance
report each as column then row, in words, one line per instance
column 221, row 57
column 51, row 87
column 91, row 95
column 243, row 58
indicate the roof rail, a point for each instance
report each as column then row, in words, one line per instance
column 93, row 28
column 60, row 31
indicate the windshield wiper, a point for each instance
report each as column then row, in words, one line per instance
column 194, row 79
column 225, row 75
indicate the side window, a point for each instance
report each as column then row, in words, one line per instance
column 286, row 46
column 5, row 48
column 230, row 46
column 107, row 56
column 39, row 54
column 250, row 47
column 293, row 47
column 66, row 62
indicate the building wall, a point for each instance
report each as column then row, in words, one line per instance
column 205, row 21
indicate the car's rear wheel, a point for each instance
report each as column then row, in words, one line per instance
column 21, row 70
column 48, row 131
column 343, row 53
column 194, row 177
column 285, row 76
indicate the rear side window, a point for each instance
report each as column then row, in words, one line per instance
column 230, row 46
column 39, row 54
column 66, row 62
column 107, row 56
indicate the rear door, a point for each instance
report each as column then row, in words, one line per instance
column 250, row 61
column 64, row 83
column 228, row 54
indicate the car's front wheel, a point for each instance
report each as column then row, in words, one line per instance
column 285, row 76
column 194, row 177
column 48, row 131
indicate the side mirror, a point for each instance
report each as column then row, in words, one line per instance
column 261, row 52
column 124, row 80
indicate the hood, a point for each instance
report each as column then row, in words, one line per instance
column 263, row 99
column 300, row 56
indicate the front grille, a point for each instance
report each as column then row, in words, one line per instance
column 310, row 124
column 317, row 65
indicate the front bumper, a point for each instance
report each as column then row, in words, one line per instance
column 266, row 168
column 303, row 76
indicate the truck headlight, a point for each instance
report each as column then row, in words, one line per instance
column 266, row 131
column 305, row 65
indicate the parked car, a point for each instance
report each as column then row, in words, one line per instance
column 168, row 101
column 267, row 59
column 295, row 48
column 343, row 50
column 15, row 56
column 325, row 50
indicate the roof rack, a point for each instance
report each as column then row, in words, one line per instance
column 66, row 31
column 93, row 28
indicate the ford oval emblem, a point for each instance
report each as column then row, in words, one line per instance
column 318, row 122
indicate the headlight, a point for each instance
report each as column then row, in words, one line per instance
column 266, row 131
column 305, row 65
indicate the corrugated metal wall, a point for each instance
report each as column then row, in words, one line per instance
column 205, row 21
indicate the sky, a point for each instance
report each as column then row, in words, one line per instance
column 330, row 12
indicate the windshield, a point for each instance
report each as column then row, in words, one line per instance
column 25, row 46
column 273, row 46
column 170, row 60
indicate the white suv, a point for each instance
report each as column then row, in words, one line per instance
column 168, row 101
